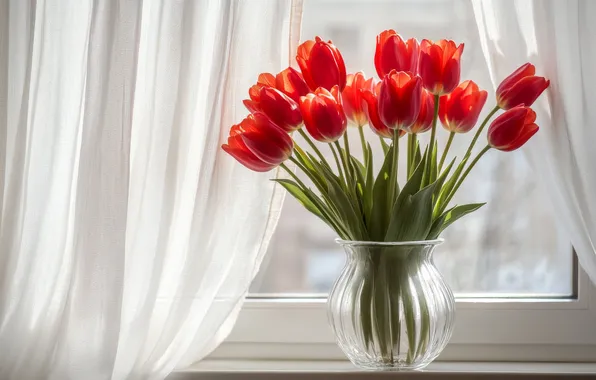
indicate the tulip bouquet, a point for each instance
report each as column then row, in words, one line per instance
column 419, row 85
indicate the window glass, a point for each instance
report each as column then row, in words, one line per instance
column 511, row 246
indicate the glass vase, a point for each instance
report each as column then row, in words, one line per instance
column 390, row 308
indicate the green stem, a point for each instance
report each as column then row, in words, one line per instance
column 410, row 155
column 313, row 146
column 335, row 157
column 396, row 152
column 393, row 176
column 447, row 146
column 293, row 175
column 350, row 174
column 429, row 163
column 466, row 172
column 310, row 175
column 362, row 141
column 345, row 164
column 486, row 119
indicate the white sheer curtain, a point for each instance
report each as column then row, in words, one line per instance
column 558, row 37
column 128, row 239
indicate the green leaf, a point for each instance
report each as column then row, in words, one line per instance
column 450, row 216
column 441, row 179
column 309, row 167
column 368, row 188
column 360, row 167
column 315, row 205
column 336, row 223
column 346, row 208
column 412, row 219
column 315, row 159
column 384, row 145
column 360, row 172
column 449, row 185
column 406, row 220
column 312, row 203
column 378, row 220
column 359, row 187
column 411, row 187
column 296, row 191
column 417, row 156
column 433, row 164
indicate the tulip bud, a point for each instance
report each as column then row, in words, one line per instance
column 393, row 53
column 264, row 80
column 522, row 87
column 512, row 129
column 424, row 121
column 258, row 143
column 321, row 64
column 280, row 108
column 371, row 110
column 291, row 83
column 352, row 98
column 439, row 65
column 459, row 110
column 399, row 99
column 323, row 114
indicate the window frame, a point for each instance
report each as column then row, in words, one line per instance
column 486, row 329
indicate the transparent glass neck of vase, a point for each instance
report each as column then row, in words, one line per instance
column 382, row 244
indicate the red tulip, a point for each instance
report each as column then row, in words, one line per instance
column 424, row 121
column 280, row 108
column 323, row 114
column 265, row 80
column 439, row 65
column 371, row 109
column 258, row 143
column 399, row 99
column 460, row 109
column 291, row 83
column 321, row 64
column 522, row 87
column 352, row 98
column 393, row 53
column 512, row 129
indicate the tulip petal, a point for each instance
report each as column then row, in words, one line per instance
column 266, row 79
column 306, row 72
column 523, row 71
column 324, row 118
column 304, row 49
column 267, row 141
column 430, row 70
column 524, row 92
column 291, row 83
column 375, row 123
column 280, row 108
column 506, row 127
column 451, row 75
column 252, row 106
column 525, row 135
column 323, row 66
column 238, row 150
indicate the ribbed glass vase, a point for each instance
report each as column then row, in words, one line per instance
column 390, row 308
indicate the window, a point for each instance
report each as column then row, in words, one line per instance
column 511, row 246
column 520, row 293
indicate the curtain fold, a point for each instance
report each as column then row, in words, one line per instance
column 557, row 36
column 128, row 239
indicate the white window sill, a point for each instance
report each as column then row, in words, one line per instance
column 323, row 370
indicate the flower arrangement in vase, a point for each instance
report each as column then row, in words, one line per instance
column 390, row 308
